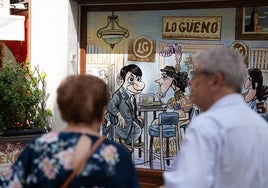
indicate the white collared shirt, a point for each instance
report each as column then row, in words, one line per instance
column 224, row 147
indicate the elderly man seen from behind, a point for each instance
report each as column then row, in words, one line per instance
column 226, row 146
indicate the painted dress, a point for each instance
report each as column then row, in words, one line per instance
column 46, row 162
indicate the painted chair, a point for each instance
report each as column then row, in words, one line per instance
column 167, row 127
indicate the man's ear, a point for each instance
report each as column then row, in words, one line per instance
column 217, row 81
column 217, row 78
column 119, row 80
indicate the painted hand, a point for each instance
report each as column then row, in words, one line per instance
column 121, row 120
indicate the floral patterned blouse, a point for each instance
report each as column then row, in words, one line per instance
column 46, row 162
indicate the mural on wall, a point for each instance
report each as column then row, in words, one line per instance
column 122, row 108
column 163, row 54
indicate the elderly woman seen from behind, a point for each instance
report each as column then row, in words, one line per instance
column 48, row 160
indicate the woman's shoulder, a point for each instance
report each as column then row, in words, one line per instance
column 53, row 135
column 56, row 137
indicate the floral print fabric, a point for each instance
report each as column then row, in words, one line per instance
column 46, row 162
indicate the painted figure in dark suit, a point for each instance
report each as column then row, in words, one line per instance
column 122, row 104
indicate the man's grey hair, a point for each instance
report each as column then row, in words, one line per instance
column 226, row 61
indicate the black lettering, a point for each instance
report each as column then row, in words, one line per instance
column 214, row 27
column 205, row 27
column 182, row 27
column 196, row 27
column 190, row 27
column 167, row 28
column 174, row 27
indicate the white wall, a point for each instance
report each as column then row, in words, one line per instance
column 54, row 40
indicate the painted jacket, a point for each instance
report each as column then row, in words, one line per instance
column 121, row 103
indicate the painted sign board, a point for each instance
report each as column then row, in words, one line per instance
column 196, row 28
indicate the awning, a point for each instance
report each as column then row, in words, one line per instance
column 12, row 28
